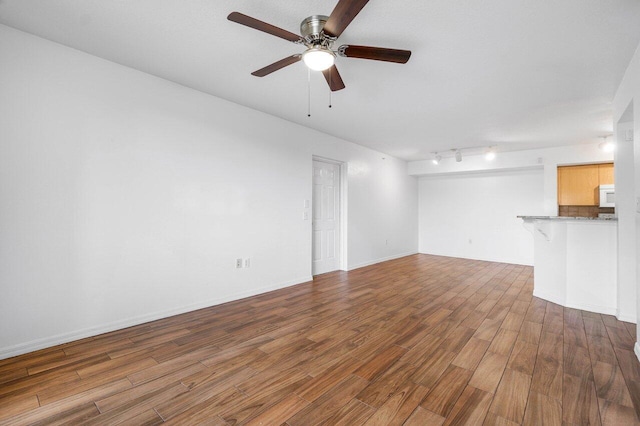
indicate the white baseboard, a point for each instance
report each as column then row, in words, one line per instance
column 482, row 258
column 548, row 297
column 34, row 345
column 626, row 318
column 607, row 310
column 636, row 350
column 383, row 259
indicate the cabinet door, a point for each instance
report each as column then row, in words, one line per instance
column 578, row 185
column 606, row 174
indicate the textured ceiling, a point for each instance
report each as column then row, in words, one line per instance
column 512, row 73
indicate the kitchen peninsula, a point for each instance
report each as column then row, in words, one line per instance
column 575, row 261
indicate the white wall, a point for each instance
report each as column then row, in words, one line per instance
column 575, row 263
column 125, row 198
column 625, row 209
column 474, row 215
column 628, row 93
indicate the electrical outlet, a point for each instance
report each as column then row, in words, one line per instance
column 305, row 215
column 247, row 262
column 238, row 263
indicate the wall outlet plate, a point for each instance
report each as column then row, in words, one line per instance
column 238, row 263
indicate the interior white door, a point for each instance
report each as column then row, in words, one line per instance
column 326, row 217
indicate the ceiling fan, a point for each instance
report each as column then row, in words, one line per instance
column 318, row 33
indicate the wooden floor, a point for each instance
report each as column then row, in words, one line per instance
column 421, row 340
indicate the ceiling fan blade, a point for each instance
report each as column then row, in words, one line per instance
column 342, row 15
column 262, row 26
column 375, row 53
column 277, row 65
column 333, row 79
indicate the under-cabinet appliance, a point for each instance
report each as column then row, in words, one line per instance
column 607, row 196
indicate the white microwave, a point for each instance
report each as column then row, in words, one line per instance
column 607, row 196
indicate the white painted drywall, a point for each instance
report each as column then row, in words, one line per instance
column 628, row 93
column 575, row 263
column 382, row 216
column 126, row 198
column 625, row 209
column 591, row 266
column 473, row 215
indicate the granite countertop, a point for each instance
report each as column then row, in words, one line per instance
column 610, row 219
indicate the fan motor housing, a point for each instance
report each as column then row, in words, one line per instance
column 312, row 26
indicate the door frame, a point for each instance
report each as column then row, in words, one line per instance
column 342, row 216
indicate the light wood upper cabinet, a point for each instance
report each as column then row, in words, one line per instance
column 606, row 173
column 578, row 185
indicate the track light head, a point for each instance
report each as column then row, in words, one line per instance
column 606, row 145
column 490, row 154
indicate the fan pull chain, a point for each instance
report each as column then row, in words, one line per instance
column 308, row 92
column 330, row 86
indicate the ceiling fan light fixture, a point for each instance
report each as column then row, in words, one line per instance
column 319, row 58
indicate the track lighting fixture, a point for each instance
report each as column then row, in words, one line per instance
column 490, row 154
column 607, row 146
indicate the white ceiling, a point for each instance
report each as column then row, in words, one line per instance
column 512, row 73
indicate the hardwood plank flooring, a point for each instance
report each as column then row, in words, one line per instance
column 421, row 340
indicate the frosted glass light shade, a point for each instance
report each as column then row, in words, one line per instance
column 318, row 58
